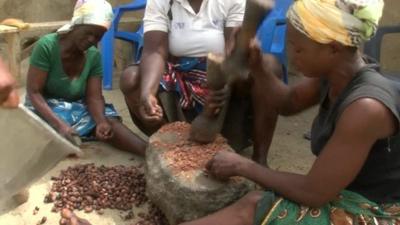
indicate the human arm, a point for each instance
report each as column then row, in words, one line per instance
column 155, row 52
column 229, row 36
column 95, row 103
column 266, row 74
column 35, row 86
column 286, row 100
column 234, row 19
column 271, row 97
column 361, row 124
column 8, row 94
column 154, row 57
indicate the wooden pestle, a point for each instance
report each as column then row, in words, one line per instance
column 208, row 124
column 221, row 72
column 236, row 65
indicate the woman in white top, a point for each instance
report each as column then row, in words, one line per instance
column 178, row 35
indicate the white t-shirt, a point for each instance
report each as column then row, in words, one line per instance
column 191, row 34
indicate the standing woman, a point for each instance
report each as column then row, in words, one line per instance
column 65, row 75
column 170, row 84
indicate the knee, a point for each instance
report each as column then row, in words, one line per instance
column 114, row 122
column 129, row 81
column 251, row 199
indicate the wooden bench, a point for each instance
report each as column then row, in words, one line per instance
column 14, row 37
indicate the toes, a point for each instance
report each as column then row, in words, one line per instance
column 66, row 213
column 74, row 221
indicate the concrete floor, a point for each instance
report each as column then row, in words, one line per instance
column 289, row 152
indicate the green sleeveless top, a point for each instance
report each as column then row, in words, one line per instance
column 379, row 179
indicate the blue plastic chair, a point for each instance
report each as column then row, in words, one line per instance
column 272, row 34
column 372, row 48
column 107, row 42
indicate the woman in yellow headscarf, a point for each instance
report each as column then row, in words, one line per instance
column 64, row 80
column 355, row 178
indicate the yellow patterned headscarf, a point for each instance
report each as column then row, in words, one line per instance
column 350, row 22
column 95, row 12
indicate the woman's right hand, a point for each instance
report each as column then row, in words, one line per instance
column 66, row 131
column 150, row 110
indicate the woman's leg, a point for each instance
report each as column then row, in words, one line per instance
column 265, row 113
column 241, row 212
column 125, row 139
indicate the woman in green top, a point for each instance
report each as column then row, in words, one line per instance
column 64, row 80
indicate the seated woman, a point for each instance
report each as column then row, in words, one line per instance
column 65, row 75
column 171, row 82
column 355, row 136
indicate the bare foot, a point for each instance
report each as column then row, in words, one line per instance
column 69, row 218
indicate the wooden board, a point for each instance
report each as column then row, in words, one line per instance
column 7, row 29
column 14, row 36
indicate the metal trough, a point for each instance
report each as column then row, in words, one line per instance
column 29, row 148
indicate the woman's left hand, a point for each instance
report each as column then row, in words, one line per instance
column 226, row 164
column 104, row 131
column 216, row 99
